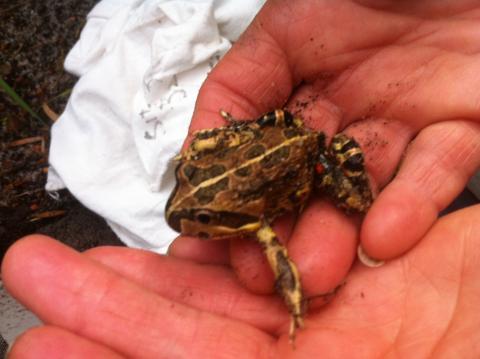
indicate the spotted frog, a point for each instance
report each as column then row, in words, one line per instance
column 233, row 181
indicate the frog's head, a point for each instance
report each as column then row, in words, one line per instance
column 206, row 223
column 203, row 203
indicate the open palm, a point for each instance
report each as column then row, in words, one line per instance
column 390, row 73
column 114, row 302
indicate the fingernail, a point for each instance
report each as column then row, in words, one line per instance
column 366, row 260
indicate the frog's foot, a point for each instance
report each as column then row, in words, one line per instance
column 228, row 117
column 234, row 122
column 287, row 279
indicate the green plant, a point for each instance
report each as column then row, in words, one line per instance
column 19, row 101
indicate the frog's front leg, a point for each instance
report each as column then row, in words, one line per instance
column 287, row 279
column 274, row 118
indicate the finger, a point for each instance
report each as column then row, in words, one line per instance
column 251, row 266
column 435, row 170
column 318, row 113
column 323, row 246
column 383, row 142
column 52, row 342
column 95, row 302
column 200, row 250
column 211, row 288
column 416, row 82
column 249, row 261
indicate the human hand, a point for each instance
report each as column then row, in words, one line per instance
column 400, row 77
column 118, row 302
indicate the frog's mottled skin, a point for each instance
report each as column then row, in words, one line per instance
column 235, row 180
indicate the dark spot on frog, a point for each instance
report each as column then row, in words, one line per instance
column 286, row 280
column 243, row 171
column 207, row 194
column 225, row 152
column 255, row 151
column 189, row 170
column 291, row 173
column 354, row 163
column 197, row 175
column 348, row 145
column 275, row 158
column 291, row 132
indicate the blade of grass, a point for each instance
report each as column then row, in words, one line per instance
column 19, row 101
column 65, row 93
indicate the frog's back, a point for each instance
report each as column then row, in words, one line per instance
column 239, row 182
column 280, row 174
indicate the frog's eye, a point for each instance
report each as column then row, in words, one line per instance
column 203, row 217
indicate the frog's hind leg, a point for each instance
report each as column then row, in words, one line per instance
column 287, row 279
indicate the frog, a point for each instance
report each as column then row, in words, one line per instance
column 234, row 181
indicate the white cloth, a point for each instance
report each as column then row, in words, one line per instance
column 141, row 64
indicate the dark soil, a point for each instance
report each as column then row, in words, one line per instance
column 35, row 37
